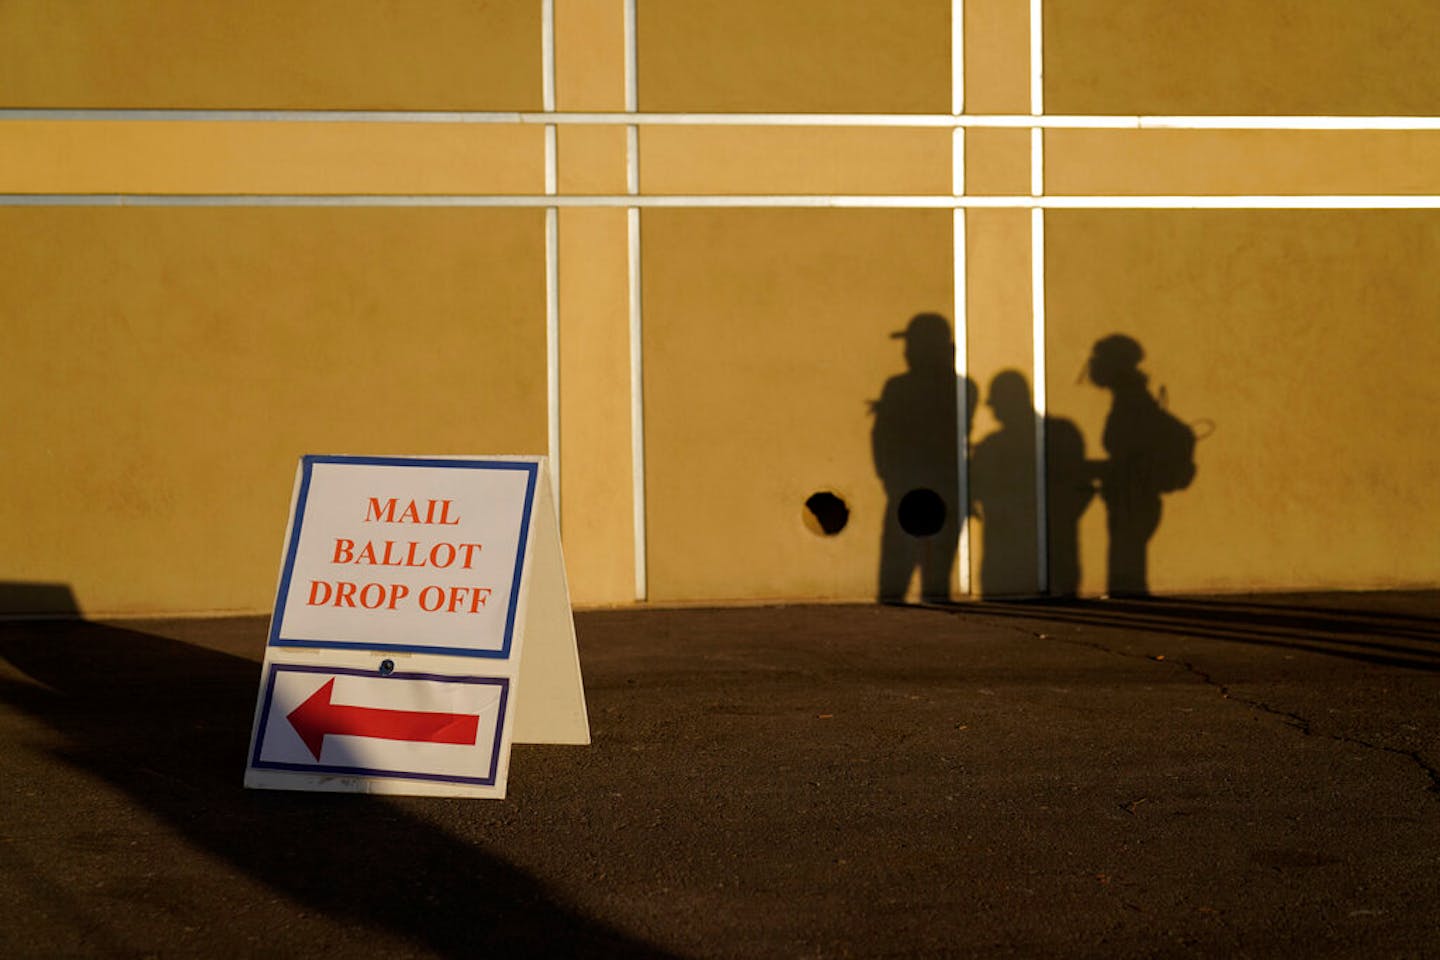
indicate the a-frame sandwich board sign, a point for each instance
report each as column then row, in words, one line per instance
column 422, row 624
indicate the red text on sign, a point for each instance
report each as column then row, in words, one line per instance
column 369, row 596
column 388, row 596
column 391, row 553
column 453, row 599
column 390, row 511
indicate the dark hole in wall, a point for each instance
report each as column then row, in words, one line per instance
column 922, row 513
column 826, row 513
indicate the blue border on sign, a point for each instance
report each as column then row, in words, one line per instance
column 275, row 668
column 301, row 498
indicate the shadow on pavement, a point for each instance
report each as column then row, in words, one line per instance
column 167, row 723
column 1370, row 635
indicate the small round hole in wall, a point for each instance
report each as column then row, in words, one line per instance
column 826, row 513
column 921, row 513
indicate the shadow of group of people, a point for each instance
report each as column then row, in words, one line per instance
column 916, row 440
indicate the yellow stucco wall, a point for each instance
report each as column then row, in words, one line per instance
column 1326, row 57
column 767, row 339
column 166, row 369
column 167, row 363
column 1304, row 344
column 802, row 56
column 271, row 54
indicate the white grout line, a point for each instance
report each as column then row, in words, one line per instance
column 547, row 55
column 637, row 331
column 837, row 201
column 1037, row 58
column 1356, row 201
column 1037, row 162
column 957, row 163
column 552, row 347
column 637, row 407
column 962, row 402
column 1284, row 123
column 1041, row 397
column 959, row 294
column 552, row 160
column 632, row 161
column 957, row 57
column 552, row 254
column 632, row 58
column 633, row 117
column 1037, row 295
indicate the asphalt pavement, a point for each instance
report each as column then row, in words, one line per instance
column 1187, row 777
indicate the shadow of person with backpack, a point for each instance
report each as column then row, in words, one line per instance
column 1151, row 452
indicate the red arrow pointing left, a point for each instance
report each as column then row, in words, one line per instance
column 317, row 718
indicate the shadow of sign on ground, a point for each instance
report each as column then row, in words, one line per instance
column 166, row 724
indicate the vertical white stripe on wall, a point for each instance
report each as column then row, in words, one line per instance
column 637, row 406
column 1037, row 311
column 960, row 294
column 957, row 57
column 632, row 86
column 547, row 55
column 962, row 403
column 552, row 347
column 1037, row 61
column 552, row 253
column 552, row 160
column 1037, row 293
column 637, row 357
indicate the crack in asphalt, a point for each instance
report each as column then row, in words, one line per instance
column 1292, row 719
column 1307, row 728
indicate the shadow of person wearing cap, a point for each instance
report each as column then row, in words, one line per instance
column 915, row 442
column 1150, row 453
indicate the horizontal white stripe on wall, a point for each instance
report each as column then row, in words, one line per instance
column 621, row 118
column 935, row 202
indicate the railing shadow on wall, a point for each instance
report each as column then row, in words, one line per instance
column 166, row 723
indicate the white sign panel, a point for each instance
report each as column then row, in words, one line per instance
column 397, row 658
column 407, row 555
column 361, row 723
